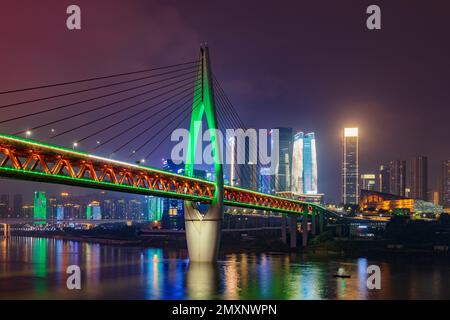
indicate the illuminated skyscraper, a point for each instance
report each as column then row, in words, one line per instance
column 297, row 163
column 419, row 178
column 5, row 208
column 309, row 164
column 247, row 172
column 304, row 164
column 445, row 183
column 282, row 180
column 384, row 179
column 350, row 166
column 40, row 206
column 155, row 208
column 397, row 177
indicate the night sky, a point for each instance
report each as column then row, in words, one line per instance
column 310, row 65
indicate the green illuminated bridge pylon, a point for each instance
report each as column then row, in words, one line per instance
column 203, row 230
column 27, row 159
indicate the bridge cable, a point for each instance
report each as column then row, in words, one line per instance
column 235, row 120
column 96, row 78
column 139, row 123
column 170, row 132
column 167, row 108
column 163, row 128
column 97, row 108
column 125, row 109
column 94, row 88
column 223, row 116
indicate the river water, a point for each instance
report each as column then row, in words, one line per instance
column 35, row 268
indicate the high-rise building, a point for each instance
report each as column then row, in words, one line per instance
column 18, row 203
column 5, row 206
column 282, row 181
column 155, row 208
column 40, row 206
column 350, row 166
column 265, row 181
column 368, row 181
column 173, row 209
column 304, row 164
column 297, row 163
column 384, row 179
column 397, row 174
column 419, row 178
column 93, row 211
column 310, row 164
column 445, row 183
column 248, row 171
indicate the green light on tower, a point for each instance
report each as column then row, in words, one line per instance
column 40, row 207
column 155, row 208
column 88, row 212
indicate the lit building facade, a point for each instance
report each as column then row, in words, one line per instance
column 282, row 181
column 304, row 164
column 350, row 166
column 248, row 171
column 419, row 178
column 94, row 211
column 368, row 181
column 397, row 177
column 445, row 183
column 297, row 163
column 384, row 179
column 5, row 206
column 40, row 206
column 265, row 181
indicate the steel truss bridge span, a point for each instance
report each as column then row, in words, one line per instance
column 27, row 159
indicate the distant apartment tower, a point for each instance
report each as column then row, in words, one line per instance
column 419, row 178
column 18, row 203
column 304, row 164
column 368, row 181
column 282, row 181
column 265, row 181
column 350, row 166
column 40, row 206
column 445, row 183
column 384, row 179
column 242, row 174
column 5, row 206
column 248, row 171
column 397, row 177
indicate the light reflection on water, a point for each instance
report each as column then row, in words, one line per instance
column 35, row 268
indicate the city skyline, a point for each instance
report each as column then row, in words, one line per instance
column 377, row 98
column 246, row 152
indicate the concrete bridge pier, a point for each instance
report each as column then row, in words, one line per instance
column 305, row 230
column 283, row 229
column 293, row 230
column 203, row 232
column 321, row 221
column 313, row 222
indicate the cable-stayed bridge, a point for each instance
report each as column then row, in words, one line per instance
column 131, row 123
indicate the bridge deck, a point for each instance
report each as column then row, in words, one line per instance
column 27, row 159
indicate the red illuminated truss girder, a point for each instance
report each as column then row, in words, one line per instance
column 31, row 160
